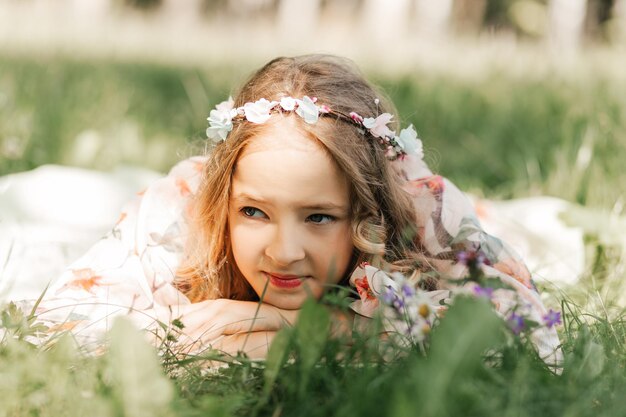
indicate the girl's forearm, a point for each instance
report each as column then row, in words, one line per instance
column 254, row 344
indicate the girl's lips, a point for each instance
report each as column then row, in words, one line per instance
column 285, row 281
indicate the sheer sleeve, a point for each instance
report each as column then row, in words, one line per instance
column 130, row 271
column 448, row 229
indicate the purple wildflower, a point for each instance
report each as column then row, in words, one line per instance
column 408, row 291
column 389, row 296
column 472, row 259
column 483, row 292
column 462, row 257
column 398, row 303
column 516, row 323
column 552, row 318
column 481, row 258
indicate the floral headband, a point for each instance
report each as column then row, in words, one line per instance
column 395, row 146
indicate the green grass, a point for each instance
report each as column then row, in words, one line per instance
column 513, row 137
column 499, row 135
column 98, row 114
column 321, row 376
column 502, row 134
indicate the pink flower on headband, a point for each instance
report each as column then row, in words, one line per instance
column 356, row 117
column 378, row 126
column 259, row 111
column 221, row 121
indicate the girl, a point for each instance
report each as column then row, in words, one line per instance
column 308, row 186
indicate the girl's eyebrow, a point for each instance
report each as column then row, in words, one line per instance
column 324, row 205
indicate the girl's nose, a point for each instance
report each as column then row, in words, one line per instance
column 285, row 247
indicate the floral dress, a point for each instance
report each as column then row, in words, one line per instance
column 130, row 271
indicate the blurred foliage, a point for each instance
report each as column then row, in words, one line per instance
column 473, row 369
column 521, row 136
column 598, row 22
column 62, row 381
column 145, row 5
column 503, row 134
column 98, row 114
column 497, row 14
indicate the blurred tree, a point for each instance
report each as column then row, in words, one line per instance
column 468, row 15
column 599, row 15
column 496, row 16
column 565, row 27
column 141, row 4
column 521, row 17
column 240, row 12
column 298, row 16
column 529, row 17
column 433, row 17
column 212, row 8
column 386, row 21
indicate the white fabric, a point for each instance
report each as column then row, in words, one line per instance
column 51, row 215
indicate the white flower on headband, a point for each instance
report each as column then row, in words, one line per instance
column 409, row 142
column 222, row 117
column 226, row 105
column 307, row 110
column 378, row 126
column 220, row 124
column 288, row 103
column 259, row 111
column 221, row 120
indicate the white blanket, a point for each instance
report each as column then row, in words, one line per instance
column 52, row 215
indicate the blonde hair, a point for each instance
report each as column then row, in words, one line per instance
column 382, row 214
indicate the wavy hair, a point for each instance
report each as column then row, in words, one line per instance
column 381, row 212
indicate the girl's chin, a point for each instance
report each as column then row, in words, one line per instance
column 286, row 302
column 289, row 298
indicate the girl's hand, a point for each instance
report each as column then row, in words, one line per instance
column 208, row 323
column 255, row 345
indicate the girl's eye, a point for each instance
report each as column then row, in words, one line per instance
column 320, row 218
column 252, row 212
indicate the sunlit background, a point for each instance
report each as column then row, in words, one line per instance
column 205, row 31
column 512, row 98
column 95, row 83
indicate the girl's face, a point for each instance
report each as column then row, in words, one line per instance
column 288, row 217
